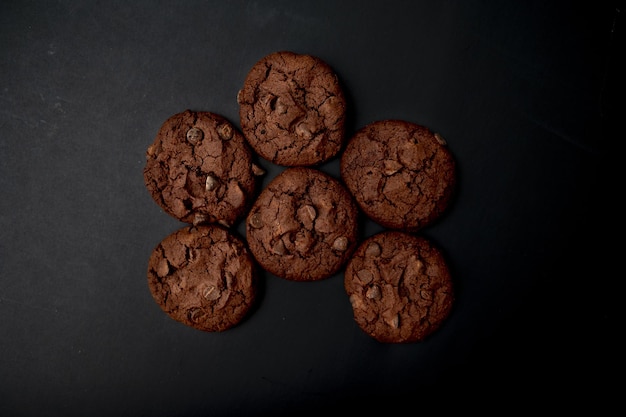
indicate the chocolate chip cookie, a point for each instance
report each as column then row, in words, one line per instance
column 303, row 226
column 399, row 286
column 401, row 174
column 292, row 109
column 203, row 276
column 200, row 169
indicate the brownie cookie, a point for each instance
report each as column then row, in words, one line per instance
column 292, row 109
column 303, row 226
column 204, row 277
column 401, row 174
column 200, row 169
column 399, row 287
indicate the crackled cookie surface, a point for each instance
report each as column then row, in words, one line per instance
column 292, row 109
column 204, row 277
column 200, row 169
column 399, row 287
column 303, row 226
column 401, row 174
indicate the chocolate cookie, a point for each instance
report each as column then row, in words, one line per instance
column 399, row 287
column 292, row 109
column 200, row 169
column 204, row 277
column 401, row 174
column 303, row 226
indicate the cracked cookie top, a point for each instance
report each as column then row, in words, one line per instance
column 303, row 226
column 399, row 286
column 401, row 174
column 292, row 109
column 200, row 169
column 204, row 277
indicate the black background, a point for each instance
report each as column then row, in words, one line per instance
column 525, row 94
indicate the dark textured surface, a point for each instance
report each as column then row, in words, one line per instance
column 523, row 92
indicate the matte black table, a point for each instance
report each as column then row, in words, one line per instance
column 524, row 94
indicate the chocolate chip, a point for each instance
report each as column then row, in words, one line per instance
column 269, row 101
column 235, row 195
column 356, row 302
column 256, row 221
column 279, row 106
column 163, row 268
column 393, row 321
column 307, row 214
column 373, row 249
column 365, row 276
column 440, row 139
column 199, row 218
column 210, row 183
column 391, row 166
column 257, row 170
column 195, row 314
column 304, row 130
column 225, row 131
column 230, row 279
column 191, row 254
column 211, row 293
column 341, row 243
column 373, row 293
column 417, row 266
column 194, row 135
column 224, row 223
column 279, row 248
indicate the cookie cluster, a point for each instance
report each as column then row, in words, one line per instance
column 304, row 224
